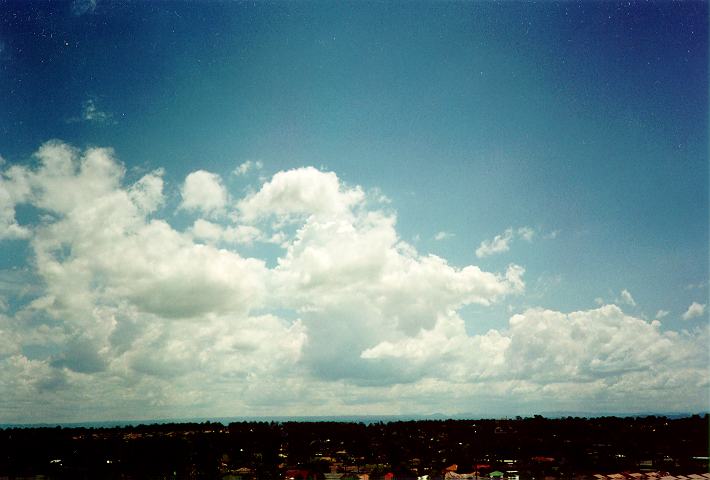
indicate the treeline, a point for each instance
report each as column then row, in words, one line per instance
column 535, row 446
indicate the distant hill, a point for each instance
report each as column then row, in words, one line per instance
column 366, row 419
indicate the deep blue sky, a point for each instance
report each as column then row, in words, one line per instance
column 584, row 121
column 588, row 118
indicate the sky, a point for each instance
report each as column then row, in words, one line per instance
column 214, row 209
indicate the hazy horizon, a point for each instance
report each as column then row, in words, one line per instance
column 228, row 209
column 367, row 419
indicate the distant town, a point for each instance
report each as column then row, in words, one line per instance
column 607, row 448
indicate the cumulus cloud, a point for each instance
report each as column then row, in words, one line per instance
column 602, row 351
column 501, row 243
column 585, row 345
column 203, row 191
column 216, row 233
column 548, row 344
column 14, row 189
column 147, row 193
column 128, row 297
column 132, row 314
column 694, row 310
column 302, row 191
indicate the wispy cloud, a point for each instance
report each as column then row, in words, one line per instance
column 501, row 243
column 248, row 166
column 83, row 7
column 443, row 236
column 92, row 113
column 627, row 298
column 526, row 233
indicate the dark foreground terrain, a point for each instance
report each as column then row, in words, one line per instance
column 523, row 448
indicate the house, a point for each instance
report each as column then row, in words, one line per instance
column 300, row 474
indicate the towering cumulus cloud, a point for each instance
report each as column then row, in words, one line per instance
column 129, row 316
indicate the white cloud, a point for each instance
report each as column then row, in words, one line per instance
column 302, row 191
column 499, row 244
column 204, row 230
column 694, row 310
column 601, row 353
column 203, row 191
column 627, row 298
column 247, row 167
column 443, row 236
column 14, row 189
column 581, row 346
column 128, row 297
column 662, row 314
column 130, row 314
column 216, row 233
column 147, row 193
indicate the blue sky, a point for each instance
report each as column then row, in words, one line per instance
column 453, row 145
